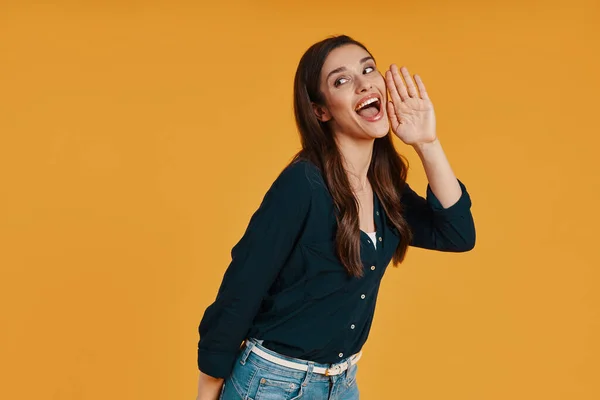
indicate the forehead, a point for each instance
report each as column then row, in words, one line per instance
column 345, row 56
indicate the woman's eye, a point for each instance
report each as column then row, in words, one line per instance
column 371, row 68
column 337, row 82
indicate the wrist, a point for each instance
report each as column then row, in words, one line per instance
column 424, row 147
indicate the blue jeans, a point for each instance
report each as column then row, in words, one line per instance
column 254, row 378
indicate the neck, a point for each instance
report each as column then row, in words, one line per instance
column 356, row 156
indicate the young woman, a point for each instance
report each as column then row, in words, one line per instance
column 297, row 301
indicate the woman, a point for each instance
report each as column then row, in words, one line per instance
column 301, row 288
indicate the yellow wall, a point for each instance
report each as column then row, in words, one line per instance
column 137, row 138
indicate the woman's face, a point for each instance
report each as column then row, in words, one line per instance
column 355, row 94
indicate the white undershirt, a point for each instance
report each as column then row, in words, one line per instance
column 373, row 236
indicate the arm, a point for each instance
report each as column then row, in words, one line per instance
column 209, row 388
column 441, row 179
column 256, row 260
column 443, row 220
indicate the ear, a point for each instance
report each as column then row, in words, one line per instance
column 321, row 112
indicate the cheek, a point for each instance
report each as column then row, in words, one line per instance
column 340, row 104
column 380, row 84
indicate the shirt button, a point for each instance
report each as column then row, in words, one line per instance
column 341, row 355
column 352, row 326
column 362, row 296
column 380, row 238
column 377, row 213
column 372, row 268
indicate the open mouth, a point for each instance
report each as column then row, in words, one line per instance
column 370, row 109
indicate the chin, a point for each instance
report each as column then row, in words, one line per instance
column 381, row 130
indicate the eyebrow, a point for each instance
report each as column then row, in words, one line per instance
column 340, row 69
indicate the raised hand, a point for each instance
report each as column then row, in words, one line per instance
column 411, row 113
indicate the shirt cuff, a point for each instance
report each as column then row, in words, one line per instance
column 216, row 364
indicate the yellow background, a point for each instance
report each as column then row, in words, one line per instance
column 138, row 137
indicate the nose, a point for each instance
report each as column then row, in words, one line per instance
column 363, row 84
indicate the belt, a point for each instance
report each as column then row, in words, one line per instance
column 336, row 370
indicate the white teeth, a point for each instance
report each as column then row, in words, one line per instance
column 366, row 102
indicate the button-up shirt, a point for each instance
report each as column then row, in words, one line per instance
column 286, row 285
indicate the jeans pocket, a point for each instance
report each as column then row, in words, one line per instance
column 275, row 389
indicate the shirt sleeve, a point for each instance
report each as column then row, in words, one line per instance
column 434, row 227
column 256, row 260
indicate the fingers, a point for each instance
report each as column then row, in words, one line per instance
column 411, row 89
column 394, row 79
column 421, row 87
column 391, row 87
column 395, row 84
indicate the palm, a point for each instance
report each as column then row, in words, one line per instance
column 411, row 113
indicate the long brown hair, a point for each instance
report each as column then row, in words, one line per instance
column 387, row 172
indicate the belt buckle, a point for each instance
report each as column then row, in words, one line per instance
column 334, row 370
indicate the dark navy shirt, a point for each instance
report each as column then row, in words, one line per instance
column 286, row 285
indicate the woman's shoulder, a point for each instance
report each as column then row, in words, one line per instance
column 300, row 173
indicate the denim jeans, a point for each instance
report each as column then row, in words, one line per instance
column 254, row 378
